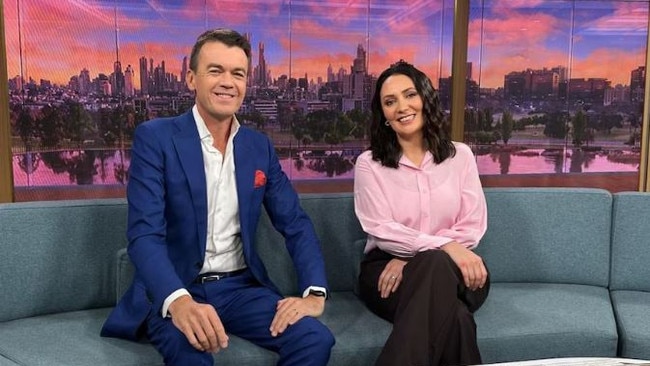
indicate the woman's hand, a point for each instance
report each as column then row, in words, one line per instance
column 390, row 277
column 470, row 264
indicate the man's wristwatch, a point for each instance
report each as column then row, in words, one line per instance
column 318, row 293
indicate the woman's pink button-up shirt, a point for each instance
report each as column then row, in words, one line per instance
column 412, row 209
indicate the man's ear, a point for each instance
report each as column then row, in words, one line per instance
column 189, row 80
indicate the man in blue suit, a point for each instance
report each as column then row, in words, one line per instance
column 196, row 186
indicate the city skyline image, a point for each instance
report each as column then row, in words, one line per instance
column 552, row 85
column 604, row 39
column 592, row 39
column 300, row 38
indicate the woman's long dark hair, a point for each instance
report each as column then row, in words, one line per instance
column 383, row 140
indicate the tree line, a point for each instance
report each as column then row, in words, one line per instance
column 581, row 127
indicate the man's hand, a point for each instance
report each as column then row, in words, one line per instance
column 200, row 324
column 292, row 309
column 470, row 264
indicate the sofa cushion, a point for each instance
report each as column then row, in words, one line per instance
column 61, row 255
column 548, row 235
column 521, row 321
column 338, row 230
column 631, row 242
column 72, row 339
column 360, row 335
column 632, row 309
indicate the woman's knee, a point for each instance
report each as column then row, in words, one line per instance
column 433, row 258
column 433, row 263
column 433, row 255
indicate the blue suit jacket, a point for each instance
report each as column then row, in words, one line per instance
column 167, row 217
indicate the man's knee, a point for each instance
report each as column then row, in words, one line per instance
column 315, row 335
column 177, row 350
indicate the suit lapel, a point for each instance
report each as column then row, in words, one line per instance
column 244, row 171
column 188, row 148
column 244, row 175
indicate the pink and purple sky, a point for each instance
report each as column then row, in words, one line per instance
column 591, row 38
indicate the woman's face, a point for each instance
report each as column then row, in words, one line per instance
column 402, row 106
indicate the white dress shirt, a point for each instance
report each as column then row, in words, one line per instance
column 223, row 249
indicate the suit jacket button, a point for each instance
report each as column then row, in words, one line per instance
column 198, row 265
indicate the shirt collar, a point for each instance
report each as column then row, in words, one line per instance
column 403, row 160
column 203, row 129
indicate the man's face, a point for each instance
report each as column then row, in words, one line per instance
column 219, row 81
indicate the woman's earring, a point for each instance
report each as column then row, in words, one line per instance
column 387, row 123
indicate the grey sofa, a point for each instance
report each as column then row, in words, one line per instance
column 549, row 251
column 630, row 273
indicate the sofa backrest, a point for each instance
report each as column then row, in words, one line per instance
column 631, row 242
column 339, row 232
column 553, row 235
column 337, row 228
column 59, row 255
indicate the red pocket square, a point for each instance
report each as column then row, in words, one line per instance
column 260, row 178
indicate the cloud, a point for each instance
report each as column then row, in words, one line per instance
column 332, row 11
column 513, row 31
column 516, row 4
column 227, row 13
column 614, row 65
column 627, row 19
column 50, row 32
column 415, row 18
column 514, row 41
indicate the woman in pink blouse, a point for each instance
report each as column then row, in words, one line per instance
column 418, row 197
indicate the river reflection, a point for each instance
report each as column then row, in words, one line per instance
column 556, row 160
column 98, row 167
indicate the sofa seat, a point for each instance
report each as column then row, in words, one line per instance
column 71, row 339
column 6, row 362
column 633, row 318
column 523, row 321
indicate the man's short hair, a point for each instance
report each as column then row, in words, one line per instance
column 226, row 36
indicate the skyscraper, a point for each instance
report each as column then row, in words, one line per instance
column 358, row 75
column 144, row 76
column 183, row 74
column 85, row 84
column 117, row 79
column 261, row 67
column 637, row 83
column 128, row 81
